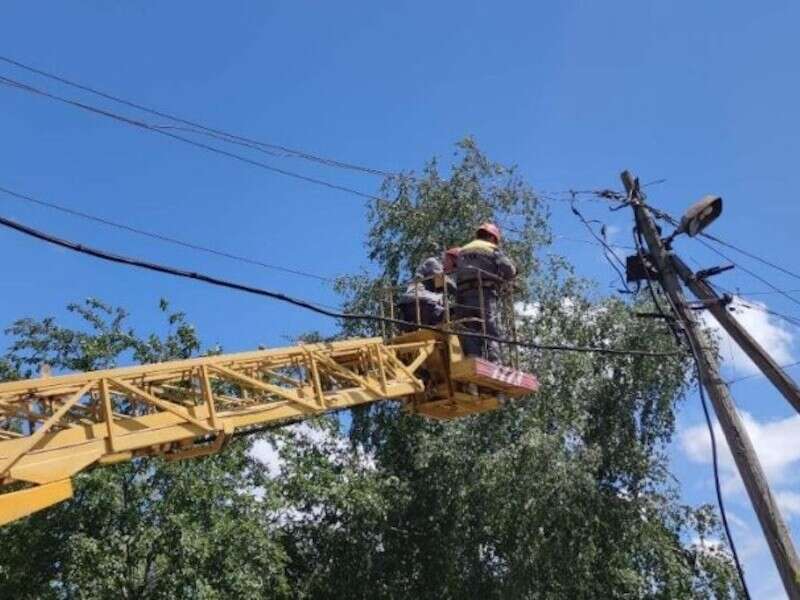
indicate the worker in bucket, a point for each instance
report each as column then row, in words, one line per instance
column 450, row 260
column 422, row 301
column 481, row 268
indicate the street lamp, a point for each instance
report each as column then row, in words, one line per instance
column 699, row 216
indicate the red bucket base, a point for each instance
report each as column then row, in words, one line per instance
column 486, row 374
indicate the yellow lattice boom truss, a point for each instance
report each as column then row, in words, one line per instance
column 52, row 428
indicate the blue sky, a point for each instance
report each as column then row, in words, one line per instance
column 702, row 94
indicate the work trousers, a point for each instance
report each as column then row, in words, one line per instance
column 468, row 306
column 430, row 313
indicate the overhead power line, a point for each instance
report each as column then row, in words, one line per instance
column 664, row 216
column 161, row 237
column 201, row 248
column 568, row 238
column 745, row 377
column 784, row 317
column 83, row 249
column 717, row 484
column 765, row 293
column 148, row 127
column 646, row 227
column 196, row 128
column 608, row 252
column 741, row 303
column 199, row 126
column 749, row 272
column 763, row 261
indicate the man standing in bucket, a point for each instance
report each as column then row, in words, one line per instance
column 481, row 268
column 421, row 303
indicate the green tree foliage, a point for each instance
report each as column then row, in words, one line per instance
column 565, row 494
column 145, row 529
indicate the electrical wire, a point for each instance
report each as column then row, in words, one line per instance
column 221, row 135
column 222, row 253
column 741, row 303
column 198, row 247
column 751, row 255
column 714, row 455
column 83, row 249
column 664, row 216
column 765, row 293
column 608, row 252
column 148, row 127
column 199, row 129
column 749, row 272
column 715, row 460
column 784, row 317
column 161, row 237
column 592, row 242
column 745, row 377
column 198, row 126
column 668, row 319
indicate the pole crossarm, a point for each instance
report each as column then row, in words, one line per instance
column 54, row 427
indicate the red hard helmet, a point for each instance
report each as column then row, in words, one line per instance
column 491, row 229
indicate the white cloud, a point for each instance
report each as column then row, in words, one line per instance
column 569, row 307
column 265, row 452
column 775, row 443
column 532, row 310
column 711, row 546
column 789, row 503
column 768, row 331
column 268, row 451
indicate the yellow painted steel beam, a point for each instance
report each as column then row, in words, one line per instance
column 54, row 427
column 15, row 505
column 57, row 426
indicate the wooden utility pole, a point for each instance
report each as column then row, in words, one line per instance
column 779, row 378
column 772, row 524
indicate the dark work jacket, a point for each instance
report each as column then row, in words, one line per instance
column 485, row 256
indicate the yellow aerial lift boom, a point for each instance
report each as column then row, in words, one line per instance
column 52, row 428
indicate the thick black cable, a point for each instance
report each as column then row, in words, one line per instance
column 715, row 459
column 217, row 132
column 101, row 254
column 161, row 237
column 148, row 127
column 194, row 246
column 198, row 247
column 720, row 502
